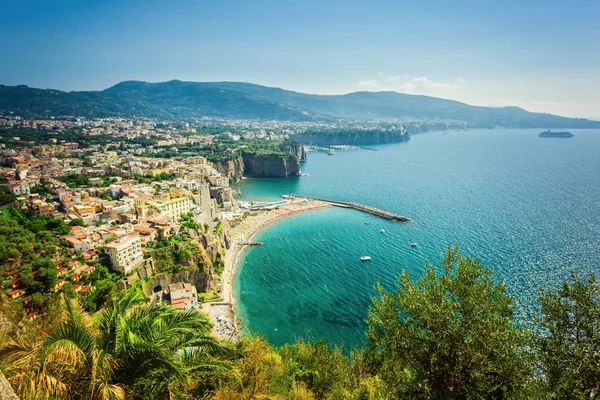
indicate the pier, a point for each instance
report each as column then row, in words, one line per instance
column 357, row 206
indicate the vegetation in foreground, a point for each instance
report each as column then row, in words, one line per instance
column 450, row 334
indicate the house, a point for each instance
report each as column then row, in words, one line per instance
column 19, row 188
column 15, row 294
column 15, row 282
column 88, row 270
column 183, row 296
column 77, row 244
column 75, row 277
column 146, row 233
column 85, row 289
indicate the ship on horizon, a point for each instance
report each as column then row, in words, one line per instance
column 551, row 134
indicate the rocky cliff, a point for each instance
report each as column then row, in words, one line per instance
column 271, row 166
column 232, row 168
column 199, row 269
column 265, row 165
column 360, row 137
column 352, row 138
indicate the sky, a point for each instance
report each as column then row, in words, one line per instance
column 543, row 56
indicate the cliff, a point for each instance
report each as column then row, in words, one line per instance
column 361, row 137
column 352, row 138
column 204, row 261
column 232, row 168
column 271, row 166
column 265, row 162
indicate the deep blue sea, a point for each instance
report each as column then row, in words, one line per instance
column 528, row 207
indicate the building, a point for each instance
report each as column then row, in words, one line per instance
column 77, row 244
column 125, row 254
column 172, row 208
column 183, row 296
column 19, row 188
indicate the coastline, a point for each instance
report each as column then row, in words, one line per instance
column 223, row 314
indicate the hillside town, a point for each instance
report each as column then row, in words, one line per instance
column 99, row 205
column 118, row 217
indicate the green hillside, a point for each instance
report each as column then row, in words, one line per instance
column 177, row 99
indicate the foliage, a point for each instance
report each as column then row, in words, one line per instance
column 570, row 346
column 130, row 349
column 78, row 222
column 448, row 335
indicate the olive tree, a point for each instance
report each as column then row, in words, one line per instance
column 448, row 335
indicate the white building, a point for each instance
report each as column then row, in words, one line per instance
column 171, row 208
column 125, row 254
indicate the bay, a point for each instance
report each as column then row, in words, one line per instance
column 526, row 206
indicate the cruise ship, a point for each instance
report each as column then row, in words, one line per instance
column 556, row 134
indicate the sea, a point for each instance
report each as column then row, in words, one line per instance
column 527, row 207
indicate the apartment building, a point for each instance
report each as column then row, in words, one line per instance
column 172, row 208
column 125, row 254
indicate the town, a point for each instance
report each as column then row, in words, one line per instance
column 98, row 207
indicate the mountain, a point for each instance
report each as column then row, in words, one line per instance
column 177, row 99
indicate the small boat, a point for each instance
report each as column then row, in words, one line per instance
column 322, row 240
column 365, row 258
column 367, row 223
column 331, row 152
column 382, row 230
column 414, row 244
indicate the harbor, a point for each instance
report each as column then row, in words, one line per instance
column 357, row 206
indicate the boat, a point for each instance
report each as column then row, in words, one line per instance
column 365, row 258
column 551, row 134
column 367, row 223
column 382, row 230
column 414, row 244
column 331, row 152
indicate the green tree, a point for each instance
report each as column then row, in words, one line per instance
column 131, row 349
column 47, row 274
column 448, row 335
column 570, row 344
column 78, row 222
column 7, row 198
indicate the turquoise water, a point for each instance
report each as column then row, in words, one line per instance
column 526, row 206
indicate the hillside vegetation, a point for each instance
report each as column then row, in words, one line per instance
column 450, row 334
column 177, row 99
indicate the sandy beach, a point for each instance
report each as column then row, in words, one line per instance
column 223, row 313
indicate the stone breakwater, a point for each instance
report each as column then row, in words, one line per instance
column 357, row 206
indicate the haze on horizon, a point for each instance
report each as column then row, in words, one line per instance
column 541, row 56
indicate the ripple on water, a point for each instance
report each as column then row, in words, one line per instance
column 526, row 207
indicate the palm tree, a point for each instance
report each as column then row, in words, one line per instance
column 128, row 348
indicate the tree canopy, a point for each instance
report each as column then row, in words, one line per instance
column 448, row 335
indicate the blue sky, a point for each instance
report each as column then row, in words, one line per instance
column 541, row 55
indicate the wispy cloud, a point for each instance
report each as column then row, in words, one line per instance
column 372, row 83
column 412, row 85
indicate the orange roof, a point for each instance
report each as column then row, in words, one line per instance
column 73, row 240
